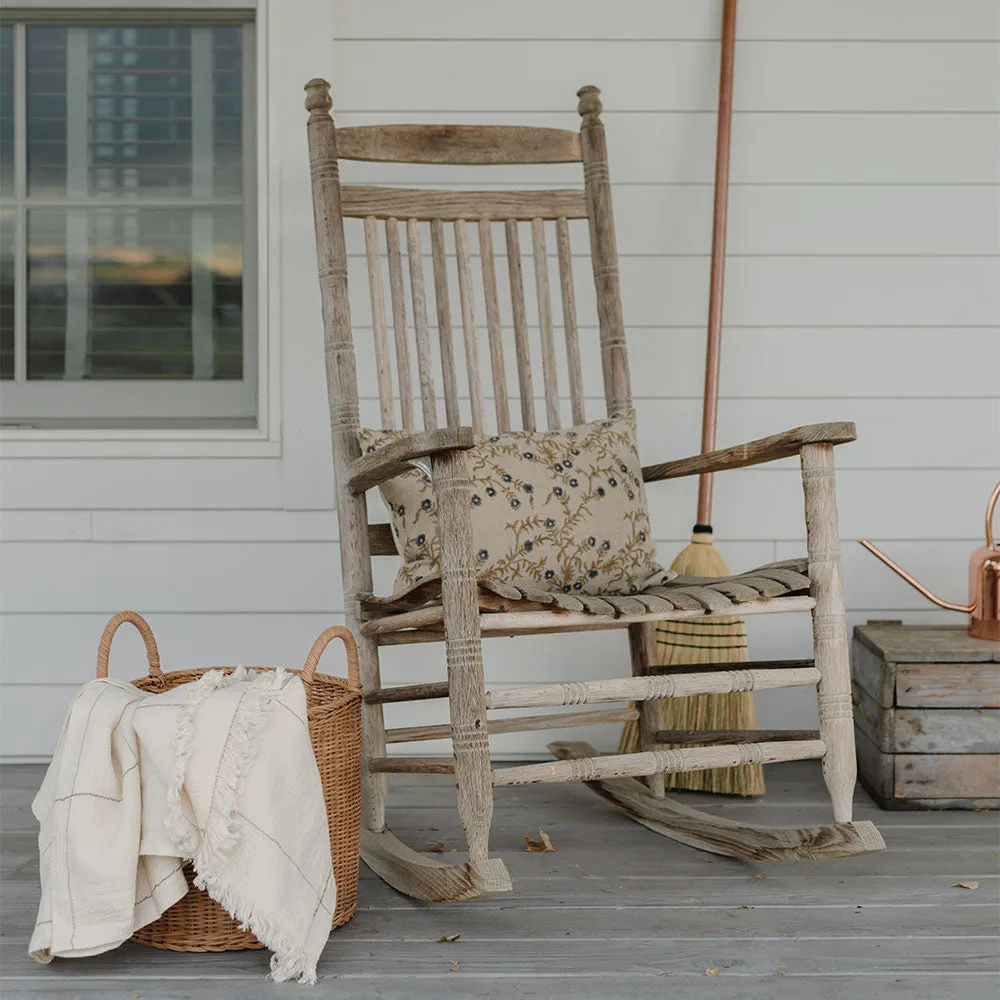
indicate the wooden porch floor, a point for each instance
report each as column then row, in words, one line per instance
column 616, row 913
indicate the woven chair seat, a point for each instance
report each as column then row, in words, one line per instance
column 683, row 593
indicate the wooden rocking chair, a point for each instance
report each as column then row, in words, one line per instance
column 461, row 611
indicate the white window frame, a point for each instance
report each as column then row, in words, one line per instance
column 264, row 439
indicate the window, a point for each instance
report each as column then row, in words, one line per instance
column 127, row 212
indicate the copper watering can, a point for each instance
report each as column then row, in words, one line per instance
column 983, row 608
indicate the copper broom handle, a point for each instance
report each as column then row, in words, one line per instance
column 715, row 293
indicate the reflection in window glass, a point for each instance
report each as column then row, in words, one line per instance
column 6, row 111
column 6, row 293
column 134, row 293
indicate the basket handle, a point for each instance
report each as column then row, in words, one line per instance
column 323, row 640
column 104, row 646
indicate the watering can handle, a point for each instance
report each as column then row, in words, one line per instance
column 990, row 508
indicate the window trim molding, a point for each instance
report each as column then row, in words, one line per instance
column 263, row 440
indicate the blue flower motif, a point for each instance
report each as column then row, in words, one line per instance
column 515, row 503
column 421, row 539
column 476, row 499
column 529, row 545
column 574, row 482
column 483, row 555
column 600, row 491
column 425, row 504
column 491, row 491
column 591, row 541
column 550, row 522
column 528, row 488
column 612, row 481
column 549, row 574
column 557, row 491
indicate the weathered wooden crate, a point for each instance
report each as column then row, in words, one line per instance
column 927, row 716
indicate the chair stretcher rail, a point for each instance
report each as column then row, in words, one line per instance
column 657, row 762
column 642, row 688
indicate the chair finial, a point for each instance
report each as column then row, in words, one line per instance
column 318, row 96
column 590, row 101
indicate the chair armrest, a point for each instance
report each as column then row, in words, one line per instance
column 754, row 452
column 394, row 458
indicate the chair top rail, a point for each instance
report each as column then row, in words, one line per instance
column 362, row 201
column 460, row 145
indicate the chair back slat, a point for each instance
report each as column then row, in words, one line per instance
column 398, row 297
column 458, row 144
column 379, row 334
column 443, row 306
column 425, row 373
column 550, row 376
column 521, row 350
column 493, row 325
column 569, row 322
column 407, row 203
column 467, row 302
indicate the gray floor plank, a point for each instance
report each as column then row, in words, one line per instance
column 557, row 955
column 615, row 912
column 460, row 986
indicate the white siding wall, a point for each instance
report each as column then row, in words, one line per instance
column 862, row 284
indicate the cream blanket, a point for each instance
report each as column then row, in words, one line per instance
column 220, row 771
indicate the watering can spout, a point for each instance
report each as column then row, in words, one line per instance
column 947, row 605
column 983, row 608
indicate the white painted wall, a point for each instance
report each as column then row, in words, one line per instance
column 862, row 284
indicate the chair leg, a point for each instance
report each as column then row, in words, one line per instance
column 375, row 787
column 463, row 647
column 651, row 710
column 836, row 722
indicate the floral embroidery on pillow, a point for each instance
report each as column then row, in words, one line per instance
column 562, row 509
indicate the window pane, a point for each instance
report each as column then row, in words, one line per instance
column 135, row 293
column 142, row 111
column 6, row 293
column 6, row 111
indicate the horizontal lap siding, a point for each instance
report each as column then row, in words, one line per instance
column 861, row 285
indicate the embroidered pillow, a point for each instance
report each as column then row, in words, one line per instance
column 564, row 510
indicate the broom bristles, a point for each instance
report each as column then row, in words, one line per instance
column 715, row 640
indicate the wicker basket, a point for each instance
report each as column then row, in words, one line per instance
column 197, row 922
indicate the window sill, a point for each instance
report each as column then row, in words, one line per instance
column 162, row 442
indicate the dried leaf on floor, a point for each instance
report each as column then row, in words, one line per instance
column 971, row 884
column 437, row 848
column 711, row 972
column 758, row 876
column 455, row 966
column 448, row 938
column 541, row 846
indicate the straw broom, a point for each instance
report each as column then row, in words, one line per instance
column 716, row 640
